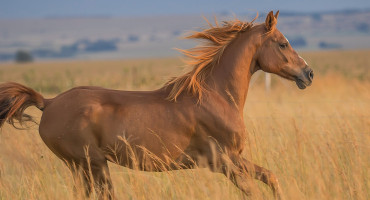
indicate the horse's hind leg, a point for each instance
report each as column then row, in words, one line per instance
column 95, row 176
column 240, row 170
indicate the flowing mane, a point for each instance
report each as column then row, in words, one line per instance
column 205, row 56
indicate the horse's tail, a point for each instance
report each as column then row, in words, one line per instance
column 14, row 99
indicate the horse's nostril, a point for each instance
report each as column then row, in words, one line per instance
column 310, row 74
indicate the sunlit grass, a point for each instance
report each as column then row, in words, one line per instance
column 315, row 140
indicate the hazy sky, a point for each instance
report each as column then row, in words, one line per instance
column 46, row 8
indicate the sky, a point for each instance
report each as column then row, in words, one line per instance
column 71, row 8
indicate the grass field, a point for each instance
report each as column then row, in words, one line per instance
column 317, row 141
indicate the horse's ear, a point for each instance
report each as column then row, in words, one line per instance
column 277, row 15
column 271, row 21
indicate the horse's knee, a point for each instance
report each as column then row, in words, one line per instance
column 239, row 180
column 273, row 179
column 273, row 182
column 270, row 179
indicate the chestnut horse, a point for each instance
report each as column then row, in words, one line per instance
column 194, row 120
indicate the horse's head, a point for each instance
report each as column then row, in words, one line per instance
column 275, row 55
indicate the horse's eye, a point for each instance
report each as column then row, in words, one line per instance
column 283, row 45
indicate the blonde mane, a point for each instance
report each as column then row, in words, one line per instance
column 205, row 56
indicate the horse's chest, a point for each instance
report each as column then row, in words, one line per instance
column 232, row 135
column 227, row 130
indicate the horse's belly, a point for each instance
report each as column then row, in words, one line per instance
column 148, row 153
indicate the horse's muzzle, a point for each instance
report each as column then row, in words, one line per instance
column 305, row 79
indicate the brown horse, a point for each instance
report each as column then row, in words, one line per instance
column 194, row 120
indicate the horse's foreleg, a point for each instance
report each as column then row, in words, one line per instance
column 263, row 175
column 240, row 170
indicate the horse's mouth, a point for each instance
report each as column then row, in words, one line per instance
column 301, row 84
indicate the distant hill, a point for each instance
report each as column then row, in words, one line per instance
column 113, row 37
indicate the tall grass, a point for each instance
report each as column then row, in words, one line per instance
column 315, row 140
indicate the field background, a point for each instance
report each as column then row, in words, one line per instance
column 155, row 36
column 315, row 140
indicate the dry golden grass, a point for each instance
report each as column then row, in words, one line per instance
column 315, row 140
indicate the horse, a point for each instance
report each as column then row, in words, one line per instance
column 194, row 120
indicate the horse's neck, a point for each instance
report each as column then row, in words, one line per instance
column 231, row 76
